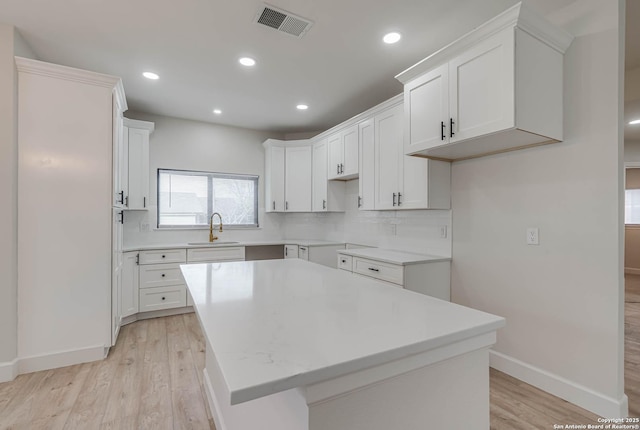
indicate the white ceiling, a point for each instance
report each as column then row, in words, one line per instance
column 339, row 68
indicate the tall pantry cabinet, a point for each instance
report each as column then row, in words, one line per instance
column 69, row 236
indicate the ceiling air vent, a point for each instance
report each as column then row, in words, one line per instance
column 283, row 21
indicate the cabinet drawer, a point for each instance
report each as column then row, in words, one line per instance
column 159, row 275
column 203, row 255
column 153, row 299
column 163, row 256
column 375, row 269
column 345, row 262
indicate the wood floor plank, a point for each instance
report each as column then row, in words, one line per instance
column 126, row 386
column 155, row 407
column 189, row 411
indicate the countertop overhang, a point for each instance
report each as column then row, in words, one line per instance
column 279, row 324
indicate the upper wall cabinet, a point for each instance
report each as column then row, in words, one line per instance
column 327, row 196
column 495, row 89
column 287, row 176
column 343, row 154
column 136, row 138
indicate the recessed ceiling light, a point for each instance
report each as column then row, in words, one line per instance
column 246, row 61
column 302, row 107
column 391, row 37
column 635, row 121
column 150, row 75
column 217, row 111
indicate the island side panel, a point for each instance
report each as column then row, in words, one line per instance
column 286, row 410
column 450, row 394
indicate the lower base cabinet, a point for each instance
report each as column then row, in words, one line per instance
column 432, row 278
column 130, row 284
column 158, row 298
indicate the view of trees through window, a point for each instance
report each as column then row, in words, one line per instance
column 188, row 198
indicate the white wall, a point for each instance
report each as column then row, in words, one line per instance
column 193, row 145
column 632, row 151
column 8, row 189
column 411, row 230
column 563, row 299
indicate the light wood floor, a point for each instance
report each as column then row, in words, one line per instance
column 152, row 379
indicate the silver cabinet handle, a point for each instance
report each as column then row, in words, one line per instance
column 394, row 199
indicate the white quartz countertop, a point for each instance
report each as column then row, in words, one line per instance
column 204, row 244
column 393, row 256
column 278, row 324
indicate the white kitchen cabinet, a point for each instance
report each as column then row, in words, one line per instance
column 403, row 182
column 291, row 251
column 137, row 163
column 117, row 264
column 274, row 177
column 303, row 252
column 327, row 196
column 367, row 175
column 495, row 89
column 68, row 142
column 297, row 179
column 424, row 274
column 288, row 175
column 130, row 285
column 161, row 285
column 343, row 154
column 119, row 155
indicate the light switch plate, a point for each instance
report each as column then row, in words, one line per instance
column 533, row 236
column 443, row 231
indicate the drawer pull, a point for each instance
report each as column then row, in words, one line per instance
column 163, row 256
column 163, row 298
column 344, row 261
column 373, row 269
column 163, row 275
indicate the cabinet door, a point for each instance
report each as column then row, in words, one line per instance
column 119, row 156
column 276, row 179
column 388, row 140
column 426, row 101
column 481, row 87
column 319, row 171
column 138, row 167
column 350, row 152
column 130, row 284
column 335, row 156
column 366, row 182
column 298, row 179
column 291, row 251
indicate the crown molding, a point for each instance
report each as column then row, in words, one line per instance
column 144, row 125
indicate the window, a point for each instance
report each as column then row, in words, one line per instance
column 188, row 198
column 632, row 206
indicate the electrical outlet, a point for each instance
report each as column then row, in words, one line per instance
column 532, row 236
column 443, row 231
column 144, row 227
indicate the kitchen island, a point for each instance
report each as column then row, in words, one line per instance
column 292, row 345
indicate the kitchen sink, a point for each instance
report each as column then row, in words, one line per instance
column 211, row 243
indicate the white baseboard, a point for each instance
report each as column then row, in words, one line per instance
column 156, row 314
column 631, row 271
column 577, row 394
column 8, row 370
column 60, row 359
